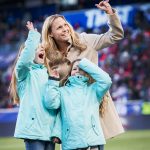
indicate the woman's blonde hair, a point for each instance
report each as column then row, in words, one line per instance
column 50, row 42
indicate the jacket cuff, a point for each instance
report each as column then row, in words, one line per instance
column 113, row 18
column 114, row 12
column 53, row 81
column 53, row 78
column 35, row 33
column 83, row 62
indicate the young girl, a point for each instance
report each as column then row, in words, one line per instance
column 79, row 102
column 34, row 122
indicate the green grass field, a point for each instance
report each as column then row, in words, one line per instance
column 130, row 140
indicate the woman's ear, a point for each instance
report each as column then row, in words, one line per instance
column 50, row 35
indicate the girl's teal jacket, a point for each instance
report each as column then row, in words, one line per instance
column 34, row 120
column 79, row 106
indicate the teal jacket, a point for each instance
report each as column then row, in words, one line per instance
column 79, row 106
column 34, row 121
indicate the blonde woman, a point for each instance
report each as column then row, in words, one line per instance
column 58, row 35
column 34, row 122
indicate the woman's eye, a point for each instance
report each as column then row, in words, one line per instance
column 59, row 27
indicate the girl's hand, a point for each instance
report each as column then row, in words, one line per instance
column 30, row 26
column 105, row 6
column 56, row 140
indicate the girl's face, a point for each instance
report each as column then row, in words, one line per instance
column 40, row 55
column 76, row 70
column 62, row 69
column 60, row 30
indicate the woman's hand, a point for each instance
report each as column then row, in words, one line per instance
column 105, row 6
column 30, row 26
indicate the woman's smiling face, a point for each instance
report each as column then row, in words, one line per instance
column 60, row 30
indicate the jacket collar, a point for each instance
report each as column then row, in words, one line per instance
column 70, row 44
column 77, row 80
column 34, row 66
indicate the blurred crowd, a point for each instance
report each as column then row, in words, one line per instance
column 127, row 62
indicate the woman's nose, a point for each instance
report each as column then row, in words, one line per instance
column 64, row 28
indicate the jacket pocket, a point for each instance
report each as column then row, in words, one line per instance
column 66, row 133
column 94, row 126
column 31, row 120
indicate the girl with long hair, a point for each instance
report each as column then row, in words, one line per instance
column 34, row 122
column 78, row 100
